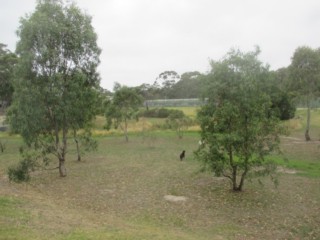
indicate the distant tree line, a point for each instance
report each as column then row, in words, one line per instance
column 170, row 85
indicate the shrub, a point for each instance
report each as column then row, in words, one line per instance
column 30, row 161
column 157, row 113
column 20, row 172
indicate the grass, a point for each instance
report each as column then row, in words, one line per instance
column 14, row 219
column 118, row 193
column 188, row 111
column 303, row 168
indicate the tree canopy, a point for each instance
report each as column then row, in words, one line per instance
column 305, row 78
column 123, row 107
column 56, row 84
column 7, row 63
column 238, row 125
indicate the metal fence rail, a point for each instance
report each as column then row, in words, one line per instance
column 190, row 102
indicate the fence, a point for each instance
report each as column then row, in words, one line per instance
column 191, row 102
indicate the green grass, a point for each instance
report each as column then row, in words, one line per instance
column 14, row 219
column 118, row 192
column 188, row 111
column 298, row 124
column 303, row 167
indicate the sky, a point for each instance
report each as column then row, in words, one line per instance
column 142, row 38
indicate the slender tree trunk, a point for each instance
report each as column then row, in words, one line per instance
column 234, row 178
column 126, row 130
column 61, row 152
column 243, row 176
column 62, row 156
column 2, row 146
column 180, row 133
column 62, row 168
column 307, row 136
column 234, row 170
column 77, row 144
column 78, row 150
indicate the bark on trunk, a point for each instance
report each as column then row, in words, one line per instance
column 63, row 151
column 77, row 144
column 238, row 187
column 243, row 176
column 307, row 136
column 234, row 178
column 62, row 168
column 78, row 151
column 126, row 130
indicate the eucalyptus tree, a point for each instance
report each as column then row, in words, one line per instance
column 124, row 106
column 7, row 63
column 190, row 85
column 178, row 121
column 166, row 80
column 276, row 86
column 56, row 77
column 305, row 78
column 238, row 127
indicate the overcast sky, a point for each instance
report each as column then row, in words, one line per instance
column 142, row 38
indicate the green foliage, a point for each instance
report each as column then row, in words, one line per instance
column 284, row 105
column 56, row 84
column 191, row 85
column 239, row 127
column 277, row 87
column 305, row 77
column 21, row 171
column 178, row 121
column 169, row 85
column 123, row 107
column 166, row 80
column 88, row 142
column 305, row 71
column 7, row 63
column 85, row 142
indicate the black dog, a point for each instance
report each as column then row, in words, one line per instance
column 182, row 155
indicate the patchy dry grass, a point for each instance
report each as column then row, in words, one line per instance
column 188, row 111
column 118, row 193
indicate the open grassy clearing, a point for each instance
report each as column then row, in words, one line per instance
column 118, row 193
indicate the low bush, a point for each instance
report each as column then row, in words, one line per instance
column 158, row 113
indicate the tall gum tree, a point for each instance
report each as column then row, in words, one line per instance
column 7, row 63
column 305, row 78
column 56, row 78
column 238, row 127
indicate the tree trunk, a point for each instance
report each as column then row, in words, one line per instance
column 77, row 144
column 62, row 168
column 238, row 187
column 180, row 133
column 126, row 130
column 307, row 136
column 234, row 178
column 62, row 157
column 78, row 151
column 242, row 180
